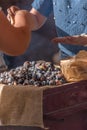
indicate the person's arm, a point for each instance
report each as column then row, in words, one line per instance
column 15, row 37
column 73, row 40
column 38, row 19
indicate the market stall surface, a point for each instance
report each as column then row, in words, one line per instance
column 76, row 119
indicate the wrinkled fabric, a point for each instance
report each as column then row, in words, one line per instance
column 21, row 106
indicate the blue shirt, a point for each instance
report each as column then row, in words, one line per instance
column 70, row 19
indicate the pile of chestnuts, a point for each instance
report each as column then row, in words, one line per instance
column 36, row 73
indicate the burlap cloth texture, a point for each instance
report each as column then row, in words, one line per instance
column 21, row 106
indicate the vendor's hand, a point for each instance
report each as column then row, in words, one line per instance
column 11, row 14
column 19, row 18
column 74, row 40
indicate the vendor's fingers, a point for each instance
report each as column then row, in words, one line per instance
column 10, row 13
column 14, row 8
column 55, row 40
column 9, row 17
column 74, row 40
column 60, row 39
column 11, row 10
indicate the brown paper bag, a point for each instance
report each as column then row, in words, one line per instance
column 75, row 68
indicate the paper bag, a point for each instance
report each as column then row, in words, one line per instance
column 75, row 68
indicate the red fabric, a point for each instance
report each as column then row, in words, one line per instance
column 77, row 121
column 65, row 107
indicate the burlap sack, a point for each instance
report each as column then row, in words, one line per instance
column 75, row 68
column 21, row 106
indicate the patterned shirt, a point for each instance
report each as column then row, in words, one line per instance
column 70, row 19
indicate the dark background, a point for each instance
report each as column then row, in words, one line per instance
column 40, row 47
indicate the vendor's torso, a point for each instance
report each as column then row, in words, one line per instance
column 70, row 19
